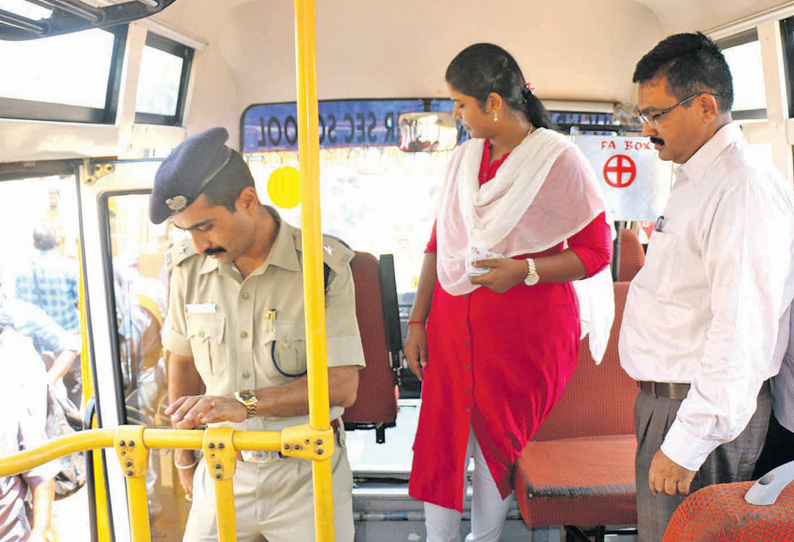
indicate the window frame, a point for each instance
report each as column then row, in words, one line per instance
column 747, row 36
column 184, row 52
column 12, row 108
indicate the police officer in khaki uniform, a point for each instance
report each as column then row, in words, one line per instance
column 236, row 326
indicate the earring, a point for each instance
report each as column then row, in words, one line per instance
column 495, row 116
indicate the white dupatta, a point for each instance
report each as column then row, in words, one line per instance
column 517, row 212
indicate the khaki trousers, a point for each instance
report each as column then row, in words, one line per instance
column 274, row 501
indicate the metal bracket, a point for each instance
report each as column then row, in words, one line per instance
column 133, row 454
column 97, row 171
column 219, row 452
column 305, row 442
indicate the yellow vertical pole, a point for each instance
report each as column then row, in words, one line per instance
column 313, row 284
column 221, row 458
column 134, row 458
column 139, row 508
column 102, row 527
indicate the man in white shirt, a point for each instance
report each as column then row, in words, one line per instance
column 707, row 318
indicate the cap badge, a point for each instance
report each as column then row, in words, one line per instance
column 177, row 203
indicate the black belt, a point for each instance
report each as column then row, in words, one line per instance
column 668, row 390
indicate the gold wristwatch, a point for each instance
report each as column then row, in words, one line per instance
column 532, row 274
column 248, row 399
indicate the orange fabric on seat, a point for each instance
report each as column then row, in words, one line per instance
column 719, row 513
column 579, row 467
column 377, row 400
column 578, row 481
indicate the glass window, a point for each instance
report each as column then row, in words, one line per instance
column 787, row 34
column 69, row 77
column 163, row 81
column 743, row 54
column 25, row 9
column 140, row 284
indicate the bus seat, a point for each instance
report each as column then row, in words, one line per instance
column 632, row 257
column 376, row 403
column 720, row 513
column 578, row 470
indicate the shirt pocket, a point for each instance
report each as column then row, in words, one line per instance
column 206, row 332
column 285, row 345
column 657, row 273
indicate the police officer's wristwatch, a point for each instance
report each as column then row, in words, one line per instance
column 532, row 277
column 248, row 399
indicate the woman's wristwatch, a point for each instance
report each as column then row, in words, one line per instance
column 532, row 277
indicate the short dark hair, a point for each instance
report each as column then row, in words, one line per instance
column 226, row 186
column 483, row 68
column 45, row 237
column 691, row 63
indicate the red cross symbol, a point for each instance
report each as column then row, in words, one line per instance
column 620, row 171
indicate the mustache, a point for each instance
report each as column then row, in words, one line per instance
column 214, row 250
column 657, row 140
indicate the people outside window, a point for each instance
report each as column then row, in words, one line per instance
column 23, row 400
column 494, row 330
column 52, row 280
column 707, row 317
column 58, row 349
column 236, row 327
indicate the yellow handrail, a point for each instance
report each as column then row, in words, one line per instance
column 93, row 439
column 313, row 284
column 220, row 445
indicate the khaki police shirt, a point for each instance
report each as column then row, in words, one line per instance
column 221, row 320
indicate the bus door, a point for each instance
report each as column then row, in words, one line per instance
column 41, row 274
column 127, row 301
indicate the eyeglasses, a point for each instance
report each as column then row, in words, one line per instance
column 651, row 119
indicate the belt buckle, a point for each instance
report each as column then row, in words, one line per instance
column 260, row 456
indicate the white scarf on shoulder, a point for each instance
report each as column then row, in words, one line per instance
column 516, row 212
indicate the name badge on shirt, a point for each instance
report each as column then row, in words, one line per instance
column 200, row 308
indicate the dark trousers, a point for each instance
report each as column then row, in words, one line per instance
column 731, row 462
column 778, row 449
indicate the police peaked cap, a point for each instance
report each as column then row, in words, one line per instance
column 187, row 171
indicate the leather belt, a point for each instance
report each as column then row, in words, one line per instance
column 668, row 390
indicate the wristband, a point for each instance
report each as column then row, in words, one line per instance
column 412, row 322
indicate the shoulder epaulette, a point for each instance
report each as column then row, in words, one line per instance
column 336, row 253
column 179, row 252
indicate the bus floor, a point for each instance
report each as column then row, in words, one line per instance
column 382, row 509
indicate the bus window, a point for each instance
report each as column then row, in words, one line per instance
column 374, row 196
column 140, row 281
column 39, row 290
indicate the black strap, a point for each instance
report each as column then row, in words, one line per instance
column 326, row 276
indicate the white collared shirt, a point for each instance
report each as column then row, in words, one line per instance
column 711, row 305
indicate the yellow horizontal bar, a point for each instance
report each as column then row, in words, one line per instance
column 76, row 442
column 92, row 439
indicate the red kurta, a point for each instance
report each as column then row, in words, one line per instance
column 497, row 363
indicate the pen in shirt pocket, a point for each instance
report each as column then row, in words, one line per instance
column 659, row 223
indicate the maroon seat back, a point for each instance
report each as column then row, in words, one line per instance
column 632, row 257
column 599, row 399
column 377, row 400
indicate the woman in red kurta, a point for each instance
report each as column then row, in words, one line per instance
column 520, row 217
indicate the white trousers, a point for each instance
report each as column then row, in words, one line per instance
column 488, row 510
